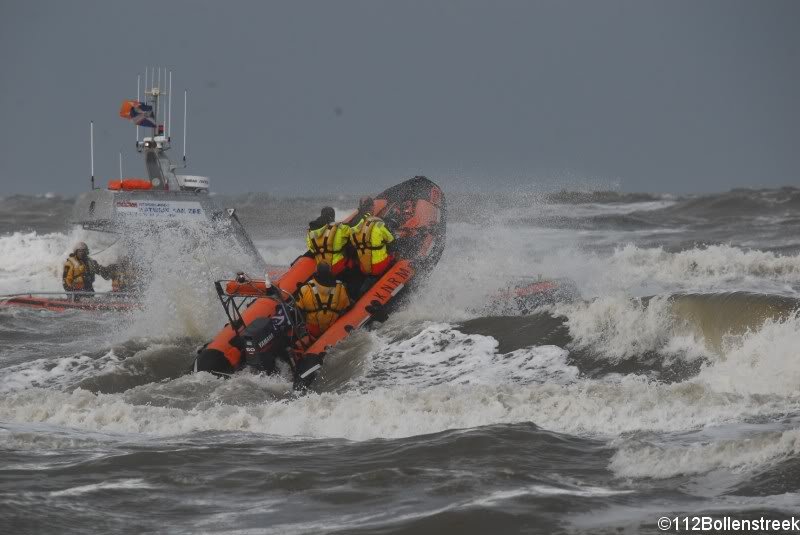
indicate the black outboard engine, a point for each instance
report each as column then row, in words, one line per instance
column 264, row 341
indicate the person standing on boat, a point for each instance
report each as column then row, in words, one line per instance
column 328, row 241
column 80, row 270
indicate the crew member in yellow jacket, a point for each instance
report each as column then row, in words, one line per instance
column 124, row 277
column 372, row 241
column 323, row 299
column 80, row 270
column 328, row 241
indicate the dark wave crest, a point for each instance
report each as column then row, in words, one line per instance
column 712, row 316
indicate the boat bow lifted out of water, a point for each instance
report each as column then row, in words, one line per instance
column 163, row 199
column 264, row 323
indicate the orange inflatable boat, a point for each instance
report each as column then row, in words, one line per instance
column 264, row 323
column 61, row 301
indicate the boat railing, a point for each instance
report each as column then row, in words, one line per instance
column 72, row 296
column 235, row 302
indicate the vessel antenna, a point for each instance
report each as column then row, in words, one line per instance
column 120, row 164
column 91, row 148
column 146, row 72
column 164, row 112
column 155, row 100
column 138, row 93
column 169, row 106
column 185, row 93
column 159, row 112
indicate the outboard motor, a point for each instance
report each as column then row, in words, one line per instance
column 263, row 341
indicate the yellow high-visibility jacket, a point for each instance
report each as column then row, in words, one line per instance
column 322, row 304
column 327, row 243
column 370, row 238
column 79, row 276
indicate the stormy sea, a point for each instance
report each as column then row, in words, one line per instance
column 665, row 383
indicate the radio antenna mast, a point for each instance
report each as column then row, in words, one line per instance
column 164, row 113
column 120, row 164
column 169, row 107
column 185, row 93
column 159, row 111
column 138, row 99
column 91, row 148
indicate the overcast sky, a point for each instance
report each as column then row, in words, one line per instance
column 302, row 97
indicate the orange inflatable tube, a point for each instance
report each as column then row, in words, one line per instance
column 382, row 291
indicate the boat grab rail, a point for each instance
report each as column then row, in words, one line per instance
column 70, row 295
column 233, row 303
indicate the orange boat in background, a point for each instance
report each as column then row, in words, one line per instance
column 264, row 323
column 61, row 301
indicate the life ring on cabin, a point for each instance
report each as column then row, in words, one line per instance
column 128, row 184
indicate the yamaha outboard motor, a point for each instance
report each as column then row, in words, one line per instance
column 263, row 341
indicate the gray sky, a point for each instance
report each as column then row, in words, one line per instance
column 653, row 96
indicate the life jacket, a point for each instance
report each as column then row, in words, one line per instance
column 121, row 279
column 369, row 237
column 327, row 243
column 322, row 304
column 77, row 275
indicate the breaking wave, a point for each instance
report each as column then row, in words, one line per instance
column 685, row 377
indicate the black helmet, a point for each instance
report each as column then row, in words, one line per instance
column 324, row 275
column 328, row 214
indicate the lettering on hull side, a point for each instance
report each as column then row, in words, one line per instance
column 393, row 284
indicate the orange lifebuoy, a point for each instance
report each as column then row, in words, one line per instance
column 250, row 287
column 129, row 184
